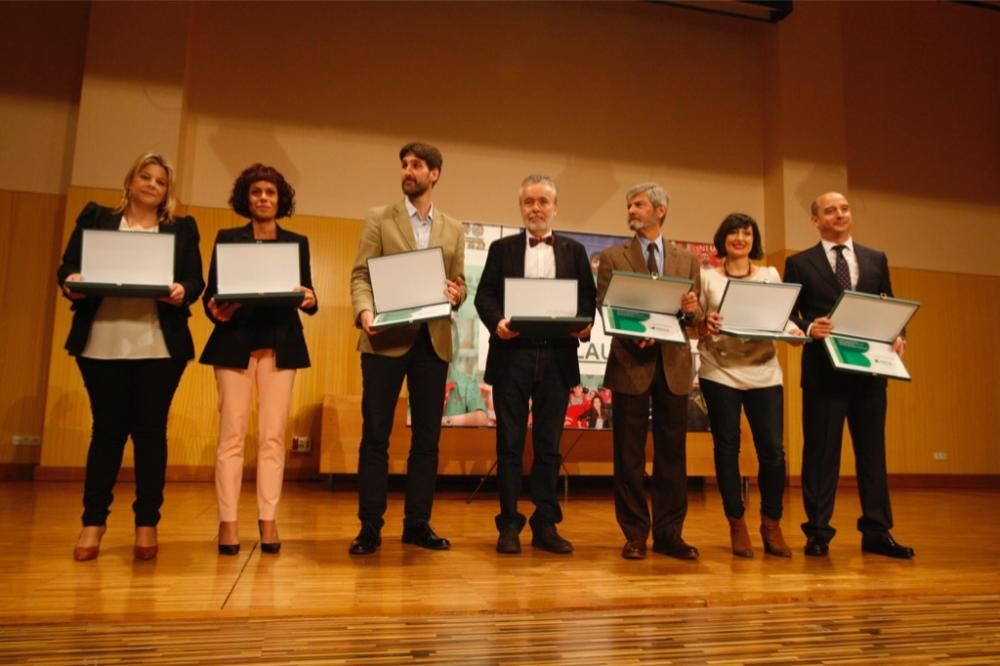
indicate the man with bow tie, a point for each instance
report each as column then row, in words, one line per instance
column 830, row 397
column 649, row 377
column 535, row 373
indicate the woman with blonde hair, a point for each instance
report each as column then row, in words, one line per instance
column 131, row 353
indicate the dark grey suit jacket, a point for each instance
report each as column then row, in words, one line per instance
column 820, row 291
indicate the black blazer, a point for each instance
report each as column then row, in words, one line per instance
column 819, row 294
column 506, row 259
column 231, row 341
column 187, row 272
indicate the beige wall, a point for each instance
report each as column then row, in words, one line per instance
column 41, row 57
column 896, row 103
column 625, row 99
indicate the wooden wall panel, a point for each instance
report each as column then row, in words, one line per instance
column 30, row 228
column 946, row 408
column 193, row 419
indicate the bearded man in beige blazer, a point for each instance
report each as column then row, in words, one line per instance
column 419, row 352
column 646, row 375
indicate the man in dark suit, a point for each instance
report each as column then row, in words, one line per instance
column 828, row 396
column 646, row 373
column 539, row 371
column 420, row 353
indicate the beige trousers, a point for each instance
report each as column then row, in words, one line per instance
column 274, row 395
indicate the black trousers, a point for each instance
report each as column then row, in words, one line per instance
column 532, row 375
column 862, row 402
column 763, row 407
column 382, row 380
column 669, row 482
column 128, row 398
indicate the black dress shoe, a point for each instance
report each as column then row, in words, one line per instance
column 423, row 536
column 366, row 543
column 548, row 539
column 676, row 547
column 817, row 547
column 229, row 549
column 634, row 549
column 509, row 543
column 884, row 544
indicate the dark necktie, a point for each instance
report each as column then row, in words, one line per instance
column 548, row 240
column 840, row 268
column 651, row 260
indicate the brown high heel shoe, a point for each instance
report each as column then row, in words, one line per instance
column 271, row 548
column 84, row 553
column 144, row 551
column 739, row 537
column 774, row 540
column 233, row 530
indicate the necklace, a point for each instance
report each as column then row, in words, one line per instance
column 725, row 269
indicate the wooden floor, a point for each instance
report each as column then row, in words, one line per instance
column 316, row 604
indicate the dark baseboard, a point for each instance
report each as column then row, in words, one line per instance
column 174, row 473
column 17, row 471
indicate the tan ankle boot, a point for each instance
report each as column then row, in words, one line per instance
column 740, row 537
column 774, row 540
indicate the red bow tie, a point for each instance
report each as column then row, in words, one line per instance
column 548, row 240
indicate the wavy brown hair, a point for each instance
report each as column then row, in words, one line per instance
column 240, row 198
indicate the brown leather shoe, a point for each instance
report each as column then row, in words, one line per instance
column 634, row 549
column 739, row 537
column 145, row 547
column 676, row 547
column 85, row 553
column 774, row 540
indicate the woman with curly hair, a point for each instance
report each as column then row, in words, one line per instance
column 131, row 353
column 258, row 345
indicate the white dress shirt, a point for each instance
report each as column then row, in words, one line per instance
column 849, row 257
column 539, row 261
column 421, row 226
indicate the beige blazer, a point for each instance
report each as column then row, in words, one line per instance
column 387, row 230
column 630, row 369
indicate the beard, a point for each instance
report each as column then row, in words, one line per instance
column 414, row 189
column 637, row 224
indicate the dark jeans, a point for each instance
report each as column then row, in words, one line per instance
column 862, row 403
column 669, row 482
column 128, row 398
column 763, row 407
column 382, row 380
column 534, row 375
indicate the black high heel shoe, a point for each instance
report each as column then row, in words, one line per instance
column 270, row 548
column 227, row 548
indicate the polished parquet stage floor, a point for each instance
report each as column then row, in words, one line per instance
column 315, row 604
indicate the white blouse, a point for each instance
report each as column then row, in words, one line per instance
column 737, row 362
column 126, row 328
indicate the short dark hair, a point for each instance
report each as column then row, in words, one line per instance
column 240, row 198
column 425, row 151
column 733, row 222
